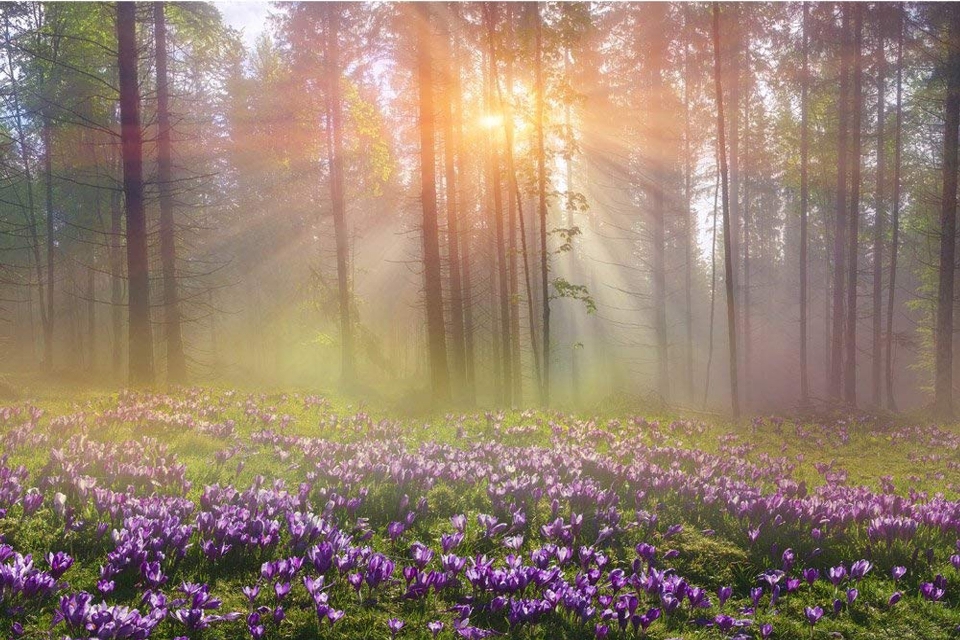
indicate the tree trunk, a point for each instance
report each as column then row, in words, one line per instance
column 688, row 213
column 804, row 204
column 116, row 280
column 141, row 342
column 173, row 336
column 506, row 358
column 542, row 203
column 728, row 266
column 657, row 136
column 516, row 200
column 450, row 156
column 51, row 242
column 878, row 223
column 334, row 108
column 853, row 233
column 895, row 218
column 433, row 290
column 943, row 388
column 834, row 386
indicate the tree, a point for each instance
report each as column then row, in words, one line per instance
column 835, row 383
column 853, row 218
column 451, row 93
column 895, row 217
column 657, row 124
column 141, row 340
column 334, row 109
column 804, row 202
column 728, row 266
column 878, row 224
column 943, row 386
column 428, row 195
column 173, row 336
column 541, row 99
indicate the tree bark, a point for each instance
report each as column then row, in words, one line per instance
column 140, row 335
column 878, row 224
column 728, row 266
column 895, row 218
column 835, row 383
column 657, row 125
column 804, row 204
column 433, row 289
column 334, row 107
column 853, row 219
column 172, row 331
column 506, row 357
column 539, row 88
column 450, row 157
column 943, row 387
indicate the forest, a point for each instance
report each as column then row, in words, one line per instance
column 433, row 320
column 504, row 204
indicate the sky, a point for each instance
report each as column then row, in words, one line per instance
column 248, row 17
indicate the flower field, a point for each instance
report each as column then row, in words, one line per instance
column 226, row 515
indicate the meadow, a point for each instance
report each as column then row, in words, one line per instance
column 223, row 514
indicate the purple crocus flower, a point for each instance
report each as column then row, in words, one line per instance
column 859, row 569
column 813, row 614
column 395, row 625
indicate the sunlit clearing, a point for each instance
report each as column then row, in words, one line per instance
column 491, row 120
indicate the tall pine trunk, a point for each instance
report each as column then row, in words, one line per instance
column 539, row 88
column 451, row 89
column 51, row 242
column 943, row 386
column 503, row 276
column 657, row 176
column 172, row 332
column 895, row 218
column 433, row 290
column 853, row 219
column 728, row 266
column 804, row 204
column 835, row 382
column 878, row 223
column 334, row 108
column 141, row 341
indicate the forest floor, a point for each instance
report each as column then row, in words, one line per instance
column 224, row 514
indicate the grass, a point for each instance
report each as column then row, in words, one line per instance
column 713, row 549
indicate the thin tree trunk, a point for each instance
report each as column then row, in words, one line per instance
column 835, row 385
column 450, row 156
column 943, row 388
column 853, row 233
column 334, row 110
column 728, row 265
column 688, row 213
column 878, row 224
column 516, row 198
column 542, row 203
column 735, row 11
column 506, row 357
column 745, row 206
column 513, row 205
column 172, row 332
column 141, row 341
column 657, row 138
column 116, row 280
column 895, row 220
column 51, row 243
column 428, row 195
column 804, row 204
